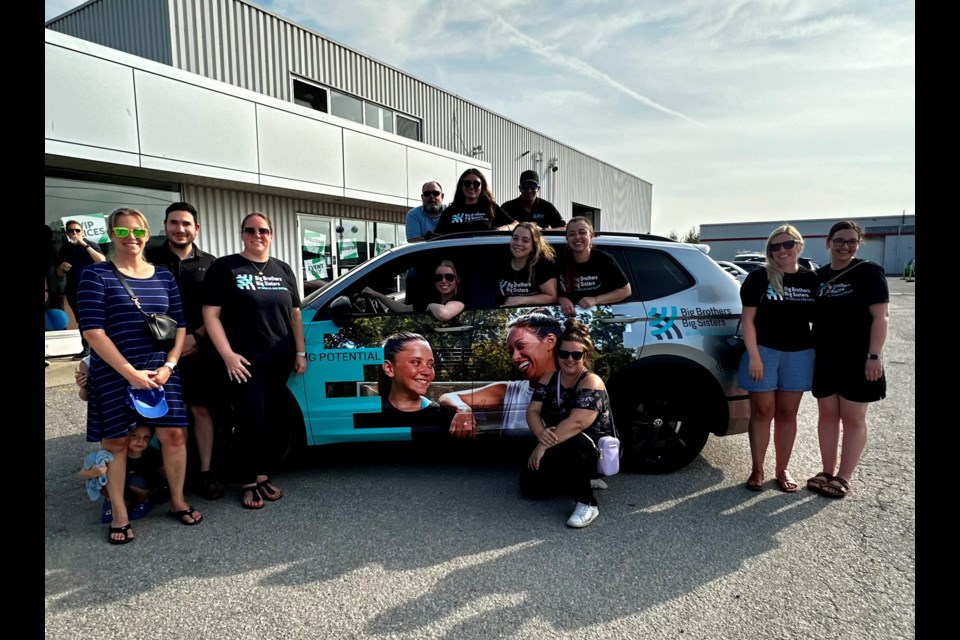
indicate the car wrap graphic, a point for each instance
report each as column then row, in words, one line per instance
column 663, row 323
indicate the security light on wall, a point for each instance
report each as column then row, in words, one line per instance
column 477, row 150
column 554, row 164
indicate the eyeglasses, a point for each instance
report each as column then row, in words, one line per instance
column 529, row 186
column 251, row 231
column 473, row 184
column 123, row 232
column 576, row 355
column 439, row 277
column 839, row 242
column 74, row 230
column 427, row 194
column 789, row 244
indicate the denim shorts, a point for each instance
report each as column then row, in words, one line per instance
column 782, row 371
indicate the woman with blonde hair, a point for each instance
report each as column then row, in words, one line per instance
column 125, row 359
column 777, row 366
column 527, row 275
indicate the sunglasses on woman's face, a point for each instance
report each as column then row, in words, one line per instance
column 789, row 244
column 251, row 231
column 472, row 184
column 439, row 277
column 576, row 355
column 123, row 232
column 839, row 242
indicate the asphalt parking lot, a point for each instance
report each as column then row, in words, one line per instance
column 400, row 542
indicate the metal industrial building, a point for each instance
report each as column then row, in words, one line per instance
column 236, row 109
column 888, row 240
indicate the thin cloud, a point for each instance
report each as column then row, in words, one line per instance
column 579, row 66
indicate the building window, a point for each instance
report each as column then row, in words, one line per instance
column 346, row 107
column 354, row 109
column 307, row 95
column 408, row 127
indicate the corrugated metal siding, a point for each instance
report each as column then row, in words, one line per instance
column 222, row 210
column 240, row 44
column 139, row 28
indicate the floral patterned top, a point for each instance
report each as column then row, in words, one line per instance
column 559, row 401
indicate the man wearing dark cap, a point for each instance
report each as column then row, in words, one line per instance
column 531, row 208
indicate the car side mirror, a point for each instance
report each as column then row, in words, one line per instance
column 341, row 310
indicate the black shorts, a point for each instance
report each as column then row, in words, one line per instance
column 845, row 377
column 203, row 377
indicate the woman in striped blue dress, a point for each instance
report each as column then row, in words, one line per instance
column 125, row 355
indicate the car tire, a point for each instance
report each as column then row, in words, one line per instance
column 660, row 429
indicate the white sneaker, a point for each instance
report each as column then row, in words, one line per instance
column 582, row 515
column 597, row 483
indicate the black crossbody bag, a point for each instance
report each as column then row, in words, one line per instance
column 160, row 326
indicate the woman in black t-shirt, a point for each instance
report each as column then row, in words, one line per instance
column 850, row 330
column 527, row 275
column 777, row 366
column 588, row 276
column 251, row 309
column 474, row 208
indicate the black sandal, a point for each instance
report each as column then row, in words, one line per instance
column 256, row 500
column 268, row 491
column 125, row 530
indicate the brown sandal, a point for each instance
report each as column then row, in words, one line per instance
column 256, row 500
column 755, row 481
column 836, row 488
column 786, row 482
column 817, row 482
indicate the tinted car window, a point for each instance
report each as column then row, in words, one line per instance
column 653, row 274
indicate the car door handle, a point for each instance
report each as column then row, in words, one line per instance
column 461, row 329
column 621, row 320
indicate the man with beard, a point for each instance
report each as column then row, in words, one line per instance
column 200, row 365
column 422, row 220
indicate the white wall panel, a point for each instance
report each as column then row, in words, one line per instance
column 374, row 164
column 299, row 148
column 179, row 121
column 426, row 167
column 88, row 101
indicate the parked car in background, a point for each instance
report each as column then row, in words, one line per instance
column 737, row 272
column 748, row 265
column 662, row 352
column 752, row 256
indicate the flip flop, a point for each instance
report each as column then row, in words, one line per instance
column 268, row 491
column 256, row 499
column 179, row 515
column 786, row 482
column 125, row 530
column 755, row 485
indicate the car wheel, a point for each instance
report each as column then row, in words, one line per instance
column 287, row 438
column 659, row 429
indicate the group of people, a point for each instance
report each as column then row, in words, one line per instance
column 475, row 209
column 820, row 331
column 238, row 321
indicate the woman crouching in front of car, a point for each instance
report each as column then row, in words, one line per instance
column 569, row 412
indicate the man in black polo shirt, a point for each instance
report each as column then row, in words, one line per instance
column 76, row 255
column 529, row 207
column 200, row 365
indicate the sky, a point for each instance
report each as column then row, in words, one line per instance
column 735, row 111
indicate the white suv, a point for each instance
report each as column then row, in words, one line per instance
column 662, row 352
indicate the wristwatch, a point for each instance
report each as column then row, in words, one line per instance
column 171, row 365
column 873, row 356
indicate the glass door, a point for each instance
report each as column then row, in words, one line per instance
column 318, row 261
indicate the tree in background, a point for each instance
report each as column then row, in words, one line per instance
column 693, row 235
column 673, row 235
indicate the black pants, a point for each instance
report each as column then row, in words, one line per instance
column 258, row 405
column 71, row 295
column 565, row 469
